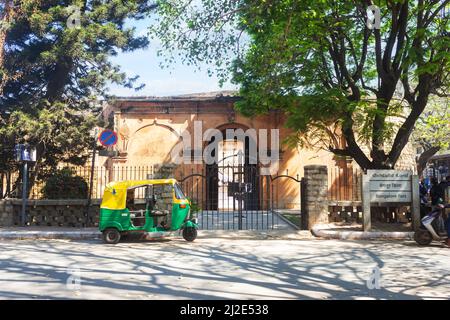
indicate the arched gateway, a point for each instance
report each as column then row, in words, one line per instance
column 234, row 169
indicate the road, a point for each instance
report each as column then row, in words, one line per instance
column 223, row 269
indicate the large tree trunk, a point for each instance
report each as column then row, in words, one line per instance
column 424, row 157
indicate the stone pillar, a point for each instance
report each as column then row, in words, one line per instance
column 316, row 195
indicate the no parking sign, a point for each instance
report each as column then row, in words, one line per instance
column 107, row 138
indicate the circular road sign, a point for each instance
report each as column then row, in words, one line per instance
column 107, row 138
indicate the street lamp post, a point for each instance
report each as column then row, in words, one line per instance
column 25, row 154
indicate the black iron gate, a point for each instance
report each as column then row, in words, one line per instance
column 238, row 197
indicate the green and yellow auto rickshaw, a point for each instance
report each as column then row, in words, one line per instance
column 163, row 209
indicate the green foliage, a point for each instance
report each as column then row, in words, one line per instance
column 61, row 134
column 55, row 61
column 64, row 184
column 319, row 62
column 433, row 127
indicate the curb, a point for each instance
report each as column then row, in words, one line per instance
column 323, row 231
column 34, row 235
column 203, row 234
column 255, row 235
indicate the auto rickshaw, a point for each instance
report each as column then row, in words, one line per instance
column 165, row 210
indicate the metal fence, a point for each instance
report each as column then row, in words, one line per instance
column 231, row 197
column 10, row 182
column 344, row 183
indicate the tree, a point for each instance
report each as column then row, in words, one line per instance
column 62, row 49
column 324, row 65
column 55, row 67
column 432, row 130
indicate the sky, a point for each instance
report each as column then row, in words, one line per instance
column 175, row 80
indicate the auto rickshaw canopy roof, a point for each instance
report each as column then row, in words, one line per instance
column 115, row 195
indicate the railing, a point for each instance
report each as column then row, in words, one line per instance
column 11, row 182
column 344, row 183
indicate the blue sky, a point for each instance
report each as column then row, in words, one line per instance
column 177, row 79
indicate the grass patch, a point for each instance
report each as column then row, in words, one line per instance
column 294, row 218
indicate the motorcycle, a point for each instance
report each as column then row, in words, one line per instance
column 432, row 227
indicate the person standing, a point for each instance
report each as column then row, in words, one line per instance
column 436, row 191
column 423, row 191
column 447, row 222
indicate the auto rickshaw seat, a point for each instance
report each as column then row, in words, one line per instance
column 158, row 213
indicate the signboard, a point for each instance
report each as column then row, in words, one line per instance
column 107, row 138
column 108, row 153
column 389, row 185
column 25, row 153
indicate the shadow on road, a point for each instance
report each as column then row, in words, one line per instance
column 174, row 268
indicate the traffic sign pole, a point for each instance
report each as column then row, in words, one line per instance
column 91, row 181
column 24, row 193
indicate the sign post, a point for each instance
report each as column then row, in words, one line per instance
column 107, row 138
column 23, row 214
column 367, row 217
column 381, row 187
column 24, row 154
column 91, row 178
column 415, row 206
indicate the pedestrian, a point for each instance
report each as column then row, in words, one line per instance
column 443, row 187
column 448, row 186
column 447, row 222
column 436, row 191
column 423, row 191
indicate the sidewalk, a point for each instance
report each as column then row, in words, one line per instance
column 340, row 231
column 344, row 231
column 31, row 233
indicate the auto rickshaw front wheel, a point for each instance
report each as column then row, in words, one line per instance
column 111, row 236
column 189, row 234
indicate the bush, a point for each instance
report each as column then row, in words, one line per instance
column 64, row 184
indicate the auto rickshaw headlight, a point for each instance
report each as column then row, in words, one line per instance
column 183, row 206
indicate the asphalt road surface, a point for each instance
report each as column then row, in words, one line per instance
column 223, row 269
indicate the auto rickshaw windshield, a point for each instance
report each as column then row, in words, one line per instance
column 178, row 192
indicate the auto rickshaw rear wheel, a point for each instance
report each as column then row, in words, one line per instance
column 111, row 236
column 189, row 234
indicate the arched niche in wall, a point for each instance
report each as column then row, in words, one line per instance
column 152, row 144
